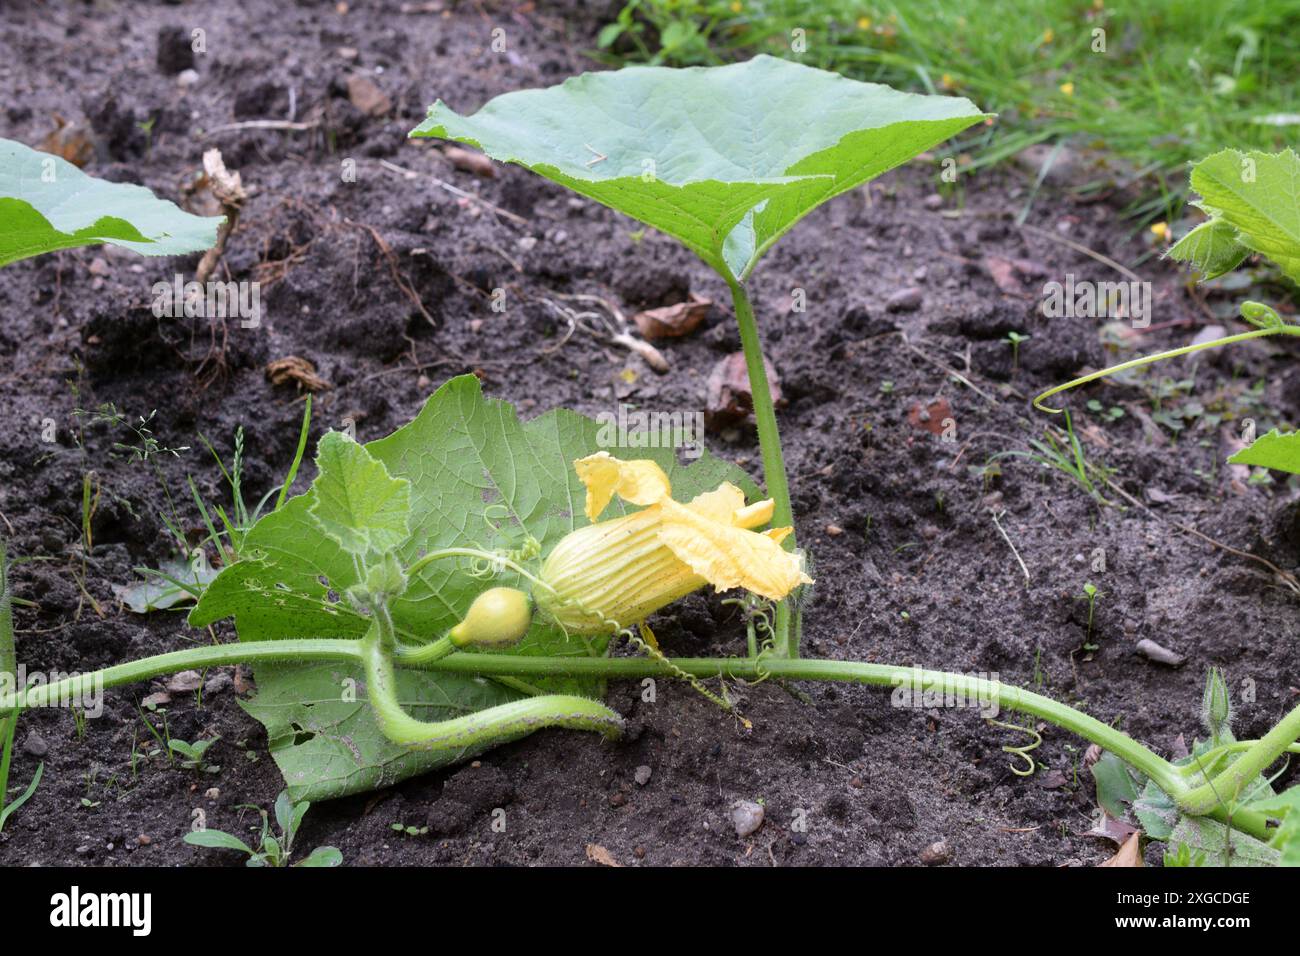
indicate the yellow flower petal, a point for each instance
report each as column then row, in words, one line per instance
column 640, row 482
column 729, row 557
column 720, row 504
column 778, row 534
column 760, row 512
column 726, row 505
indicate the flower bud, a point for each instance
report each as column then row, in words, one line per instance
column 1216, row 708
column 498, row 617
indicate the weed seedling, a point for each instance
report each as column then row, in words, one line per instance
column 410, row 831
column 1090, row 594
column 1014, row 339
column 1112, row 414
column 271, row 850
column 1064, row 454
column 192, row 755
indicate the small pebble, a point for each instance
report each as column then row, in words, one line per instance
column 35, row 745
column 834, row 530
column 184, row 682
column 746, row 817
column 905, row 300
column 642, row 775
column 1158, row 653
column 638, row 852
column 936, row 854
column 217, row 683
column 1053, row 780
column 143, row 839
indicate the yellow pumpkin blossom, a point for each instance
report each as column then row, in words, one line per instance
column 615, row 573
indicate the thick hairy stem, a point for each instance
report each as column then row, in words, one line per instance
column 1241, row 773
column 786, row 629
column 511, row 721
column 1164, row 774
column 82, row 686
column 482, row 729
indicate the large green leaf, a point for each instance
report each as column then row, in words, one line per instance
column 46, row 203
column 1277, row 450
column 1253, row 200
column 726, row 159
column 477, row 477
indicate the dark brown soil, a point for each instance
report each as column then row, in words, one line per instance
column 910, row 566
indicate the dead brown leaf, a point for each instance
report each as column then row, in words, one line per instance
column 1108, row 828
column 1004, row 274
column 366, row 95
column 598, row 854
column 729, row 400
column 673, row 321
column 931, row 417
column 291, row 368
column 184, row 682
column 1129, row 853
column 72, row 141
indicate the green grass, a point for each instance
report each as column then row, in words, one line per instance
column 1179, row 79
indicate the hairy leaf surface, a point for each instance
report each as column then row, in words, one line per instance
column 1253, row 201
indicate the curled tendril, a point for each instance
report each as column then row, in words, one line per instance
column 758, row 620
column 1028, row 768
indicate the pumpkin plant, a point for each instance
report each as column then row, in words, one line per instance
column 405, row 614
column 723, row 159
column 465, row 580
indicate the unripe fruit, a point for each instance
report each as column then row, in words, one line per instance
column 498, row 617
